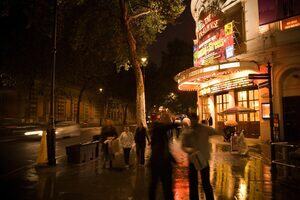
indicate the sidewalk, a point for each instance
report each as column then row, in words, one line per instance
column 232, row 177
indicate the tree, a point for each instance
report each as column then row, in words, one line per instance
column 136, row 16
column 178, row 57
column 25, row 38
column 130, row 26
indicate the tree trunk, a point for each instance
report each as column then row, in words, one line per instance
column 78, row 103
column 140, row 89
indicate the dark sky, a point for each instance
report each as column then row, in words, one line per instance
column 184, row 29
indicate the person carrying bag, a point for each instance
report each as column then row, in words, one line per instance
column 195, row 143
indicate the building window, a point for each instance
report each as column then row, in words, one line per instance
column 205, row 108
column 222, row 102
column 249, row 99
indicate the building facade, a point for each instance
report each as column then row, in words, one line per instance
column 233, row 39
column 33, row 106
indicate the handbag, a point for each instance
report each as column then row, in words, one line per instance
column 198, row 160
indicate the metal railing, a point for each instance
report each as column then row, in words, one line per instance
column 285, row 162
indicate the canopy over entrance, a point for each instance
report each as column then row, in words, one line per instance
column 215, row 78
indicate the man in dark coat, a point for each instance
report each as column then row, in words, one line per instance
column 161, row 159
column 140, row 142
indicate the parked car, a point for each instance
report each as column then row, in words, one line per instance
column 14, row 128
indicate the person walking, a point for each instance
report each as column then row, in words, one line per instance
column 195, row 143
column 108, row 133
column 127, row 141
column 140, row 138
column 161, row 160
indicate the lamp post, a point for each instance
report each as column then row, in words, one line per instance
column 273, row 165
column 103, row 106
column 51, row 125
column 268, row 77
column 144, row 63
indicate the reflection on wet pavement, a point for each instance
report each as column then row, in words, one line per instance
column 232, row 177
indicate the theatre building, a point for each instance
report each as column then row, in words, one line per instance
column 235, row 39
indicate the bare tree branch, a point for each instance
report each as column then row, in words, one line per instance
column 139, row 15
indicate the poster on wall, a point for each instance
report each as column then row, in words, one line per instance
column 275, row 10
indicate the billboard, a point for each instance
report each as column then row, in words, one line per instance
column 215, row 47
column 275, row 10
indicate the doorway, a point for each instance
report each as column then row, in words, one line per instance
column 291, row 116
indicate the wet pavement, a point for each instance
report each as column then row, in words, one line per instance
column 232, row 176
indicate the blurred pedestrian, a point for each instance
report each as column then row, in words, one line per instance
column 140, row 138
column 209, row 120
column 195, row 143
column 127, row 141
column 108, row 133
column 161, row 160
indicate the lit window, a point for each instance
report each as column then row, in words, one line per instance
column 249, row 99
column 222, row 102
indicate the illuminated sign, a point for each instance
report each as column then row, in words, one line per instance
column 214, row 47
column 290, row 23
column 206, row 25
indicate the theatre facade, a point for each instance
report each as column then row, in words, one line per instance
column 232, row 40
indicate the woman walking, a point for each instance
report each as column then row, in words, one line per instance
column 127, row 141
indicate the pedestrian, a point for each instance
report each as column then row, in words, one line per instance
column 108, row 133
column 210, row 120
column 161, row 160
column 195, row 143
column 127, row 141
column 140, row 138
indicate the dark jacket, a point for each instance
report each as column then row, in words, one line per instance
column 140, row 136
column 160, row 158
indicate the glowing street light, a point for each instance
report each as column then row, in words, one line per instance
column 100, row 90
column 144, row 60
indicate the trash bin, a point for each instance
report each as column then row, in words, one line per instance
column 80, row 153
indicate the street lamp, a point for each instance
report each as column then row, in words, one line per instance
column 100, row 90
column 143, row 65
column 51, row 127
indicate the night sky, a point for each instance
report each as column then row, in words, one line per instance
column 184, row 29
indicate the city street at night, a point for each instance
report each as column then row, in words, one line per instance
column 150, row 99
column 20, row 154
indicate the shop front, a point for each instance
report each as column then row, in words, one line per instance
column 222, row 87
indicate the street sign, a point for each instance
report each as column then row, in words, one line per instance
column 263, row 84
column 258, row 76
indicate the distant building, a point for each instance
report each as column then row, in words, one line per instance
column 34, row 106
column 236, row 38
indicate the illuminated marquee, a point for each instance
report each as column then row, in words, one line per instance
column 215, row 47
column 206, row 25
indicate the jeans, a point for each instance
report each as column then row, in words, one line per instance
column 140, row 154
column 126, row 155
column 193, row 183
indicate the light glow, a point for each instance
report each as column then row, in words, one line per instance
column 230, row 65
column 33, row 133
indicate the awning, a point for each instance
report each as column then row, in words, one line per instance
column 215, row 78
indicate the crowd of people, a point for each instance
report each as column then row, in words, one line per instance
column 195, row 143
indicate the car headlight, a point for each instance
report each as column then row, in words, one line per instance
column 40, row 133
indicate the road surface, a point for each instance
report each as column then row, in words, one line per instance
column 18, row 154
